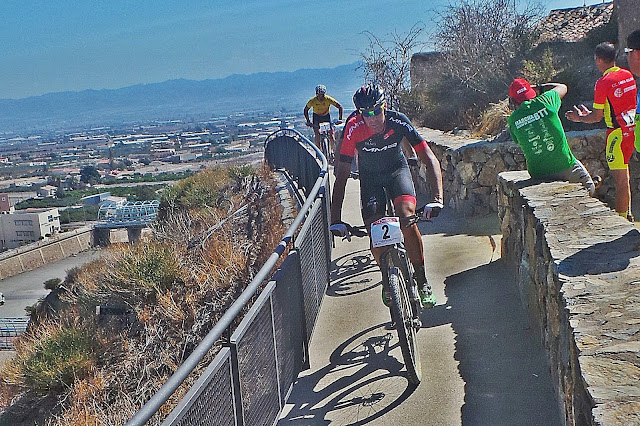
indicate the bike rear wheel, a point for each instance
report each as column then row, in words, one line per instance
column 402, row 313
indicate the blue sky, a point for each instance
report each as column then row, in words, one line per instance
column 51, row 46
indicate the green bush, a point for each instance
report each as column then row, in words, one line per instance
column 146, row 266
column 52, row 283
column 540, row 70
column 59, row 360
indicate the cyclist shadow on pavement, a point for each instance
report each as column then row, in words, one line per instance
column 500, row 357
column 348, row 274
column 376, row 386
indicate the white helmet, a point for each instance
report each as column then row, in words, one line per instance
column 321, row 89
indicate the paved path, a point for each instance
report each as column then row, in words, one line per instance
column 25, row 289
column 481, row 363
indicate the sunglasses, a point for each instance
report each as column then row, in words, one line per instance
column 372, row 113
column 628, row 50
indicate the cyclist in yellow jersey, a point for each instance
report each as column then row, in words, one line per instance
column 320, row 104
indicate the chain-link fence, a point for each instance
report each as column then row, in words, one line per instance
column 250, row 379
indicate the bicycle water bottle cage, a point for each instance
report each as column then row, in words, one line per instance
column 386, row 232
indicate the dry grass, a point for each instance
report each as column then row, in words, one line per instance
column 493, row 120
column 172, row 290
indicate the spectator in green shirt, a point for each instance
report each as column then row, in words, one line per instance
column 535, row 125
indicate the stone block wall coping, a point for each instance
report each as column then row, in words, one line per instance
column 592, row 255
column 447, row 139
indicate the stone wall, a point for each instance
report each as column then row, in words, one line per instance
column 470, row 168
column 578, row 273
column 628, row 14
column 574, row 24
column 52, row 249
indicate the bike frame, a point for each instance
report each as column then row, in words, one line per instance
column 396, row 255
column 325, row 129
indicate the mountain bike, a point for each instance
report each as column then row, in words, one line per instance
column 326, row 133
column 399, row 284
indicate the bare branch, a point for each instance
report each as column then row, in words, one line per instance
column 387, row 61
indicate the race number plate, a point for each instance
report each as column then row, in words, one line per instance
column 385, row 232
column 325, row 127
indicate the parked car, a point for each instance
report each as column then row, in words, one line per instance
column 1, row 299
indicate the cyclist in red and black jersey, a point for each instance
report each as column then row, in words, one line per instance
column 377, row 135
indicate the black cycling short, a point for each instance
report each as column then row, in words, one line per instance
column 317, row 119
column 373, row 198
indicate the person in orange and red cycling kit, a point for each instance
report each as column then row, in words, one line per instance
column 614, row 99
column 320, row 105
column 377, row 134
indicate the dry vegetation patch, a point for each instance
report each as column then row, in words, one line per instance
column 214, row 231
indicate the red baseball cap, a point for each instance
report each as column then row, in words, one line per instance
column 520, row 90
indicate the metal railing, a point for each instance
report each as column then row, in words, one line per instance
column 251, row 377
column 10, row 329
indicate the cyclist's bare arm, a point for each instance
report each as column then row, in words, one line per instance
column 306, row 113
column 342, row 174
column 340, row 111
column 434, row 173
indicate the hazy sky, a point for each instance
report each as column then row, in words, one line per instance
column 51, row 46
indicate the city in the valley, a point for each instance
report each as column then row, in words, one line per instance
column 55, row 181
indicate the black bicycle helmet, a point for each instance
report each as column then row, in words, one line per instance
column 368, row 97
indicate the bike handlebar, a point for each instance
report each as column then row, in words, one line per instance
column 361, row 231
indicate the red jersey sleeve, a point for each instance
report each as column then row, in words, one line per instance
column 350, row 137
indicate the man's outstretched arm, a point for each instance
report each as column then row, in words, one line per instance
column 582, row 114
column 434, row 173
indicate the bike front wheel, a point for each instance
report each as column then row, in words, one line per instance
column 402, row 312
column 325, row 148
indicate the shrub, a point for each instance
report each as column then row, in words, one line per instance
column 57, row 359
column 482, row 45
column 541, row 70
column 52, row 283
column 482, row 41
column 143, row 267
column 494, row 119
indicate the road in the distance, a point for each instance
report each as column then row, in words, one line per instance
column 25, row 289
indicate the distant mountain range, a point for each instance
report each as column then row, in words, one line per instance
column 177, row 99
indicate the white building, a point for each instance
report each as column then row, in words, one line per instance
column 27, row 226
column 47, row 191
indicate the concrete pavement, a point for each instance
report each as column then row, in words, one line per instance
column 481, row 363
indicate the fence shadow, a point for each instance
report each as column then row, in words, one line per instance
column 376, row 386
column 348, row 271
